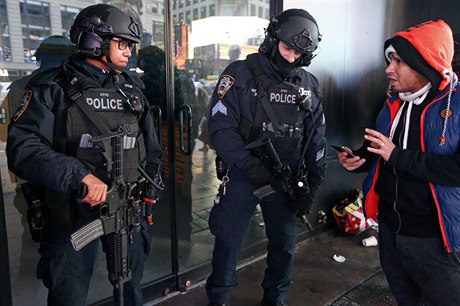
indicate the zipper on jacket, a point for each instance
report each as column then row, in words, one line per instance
column 396, row 200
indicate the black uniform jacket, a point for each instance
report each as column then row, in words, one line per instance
column 41, row 118
column 235, row 98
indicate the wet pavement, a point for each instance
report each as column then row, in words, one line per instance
column 317, row 278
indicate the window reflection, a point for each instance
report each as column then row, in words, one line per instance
column 5, row 47
column 36, row 26
column 208, row 35
column 68, row 14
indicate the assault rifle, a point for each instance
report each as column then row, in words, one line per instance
column 296, row 186
column 119, row 215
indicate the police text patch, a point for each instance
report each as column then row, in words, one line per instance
column 104, row 101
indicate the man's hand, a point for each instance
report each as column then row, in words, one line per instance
column 97, row 190
column 350, row 163
column 380, row 144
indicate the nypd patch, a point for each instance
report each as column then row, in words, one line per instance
column 23, row 105
column 225, row 83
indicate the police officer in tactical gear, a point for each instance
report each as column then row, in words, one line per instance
column 267, row 126
column 61, row 138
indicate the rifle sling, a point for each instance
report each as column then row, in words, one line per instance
column 253, row 64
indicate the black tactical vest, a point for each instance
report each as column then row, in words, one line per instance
column 111, row 107
column 283, row 100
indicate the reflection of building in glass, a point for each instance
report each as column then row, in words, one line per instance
column 190, row 10
column 36, row 26
column 5, row 47
column 68, row 15
column 212, row 37
column 212, row 59
column 35, row 20
column 152, row 21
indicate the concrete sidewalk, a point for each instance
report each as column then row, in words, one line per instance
column 317, row 278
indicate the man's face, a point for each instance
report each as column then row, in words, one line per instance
column 290, row 55
column 403, row 78
column 120, row 51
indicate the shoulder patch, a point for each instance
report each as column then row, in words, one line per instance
column 225, row 83
column 23, row 105
column 219, row 108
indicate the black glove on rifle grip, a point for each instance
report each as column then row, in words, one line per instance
column 255, row 171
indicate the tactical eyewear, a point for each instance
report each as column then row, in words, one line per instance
column 124, row 43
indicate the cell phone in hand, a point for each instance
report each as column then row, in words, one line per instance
column 344, row 149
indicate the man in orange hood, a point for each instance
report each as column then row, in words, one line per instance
column 413, row 160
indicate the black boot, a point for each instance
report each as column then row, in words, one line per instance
column 266, row 302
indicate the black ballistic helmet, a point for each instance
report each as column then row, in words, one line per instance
column 297, row 29
column 96, row 24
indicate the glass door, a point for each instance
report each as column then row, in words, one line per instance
column 185, row 46
column 208, row 35
column 16, row 65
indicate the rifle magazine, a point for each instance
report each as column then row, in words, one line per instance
column 264, row 191
column 86, row 234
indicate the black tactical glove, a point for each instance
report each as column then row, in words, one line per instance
column 255, row 171
column 152, row 191
column 302, row 206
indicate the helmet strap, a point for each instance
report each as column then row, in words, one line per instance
column 306, row 59
column 112, row 67
column 106, row 47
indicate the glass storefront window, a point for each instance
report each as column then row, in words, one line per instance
column 204, row 32
column 5, row 47
column 35, row 19
column 68, row 14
